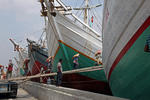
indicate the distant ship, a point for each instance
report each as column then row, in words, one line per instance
column 37, row 55
column 126, row 47
column 20, row 58
column 66, row 36
column 32, row 61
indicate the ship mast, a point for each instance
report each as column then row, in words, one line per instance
column 17, row 48
column 18, row 71
column 86, row 12
column 66, row 10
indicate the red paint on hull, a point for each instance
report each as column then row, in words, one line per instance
column 29, row 73
column 81, row 82
column 75, row 81
column 129, row 44
column 36, row 70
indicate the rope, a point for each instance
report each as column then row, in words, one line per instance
column 95, row 13
column 40, row 39
column 79, row 6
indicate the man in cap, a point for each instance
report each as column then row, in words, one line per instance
column 50, row 63
column 75, row 61
column 98, row 56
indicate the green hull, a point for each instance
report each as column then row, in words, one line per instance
column 83, row 62
column 131, row 76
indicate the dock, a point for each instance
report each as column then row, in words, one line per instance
column 39, row 91
column 22, row 95
column 51, row 92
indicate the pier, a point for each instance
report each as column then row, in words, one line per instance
column 39, row 91
column 51, row 92
column 30, row 90
column 22, row 95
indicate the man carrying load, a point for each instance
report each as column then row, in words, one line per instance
column 75, row 61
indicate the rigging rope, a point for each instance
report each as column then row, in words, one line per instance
column 79, row 6
column 95, row 13
column 40, row 39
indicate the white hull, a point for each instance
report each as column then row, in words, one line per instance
column 62, row 28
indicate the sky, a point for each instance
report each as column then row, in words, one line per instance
column 20, row 19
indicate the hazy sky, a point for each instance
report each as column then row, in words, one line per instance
column 20, row 19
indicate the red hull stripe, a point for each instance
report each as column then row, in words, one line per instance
column 129, row 44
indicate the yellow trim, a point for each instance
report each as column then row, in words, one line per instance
column 78, row 51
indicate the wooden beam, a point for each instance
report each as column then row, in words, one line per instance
column 87, row 69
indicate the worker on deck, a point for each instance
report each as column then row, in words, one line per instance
column 97, row 56
column 50, row 63
column 9, row 69
column 59, row 73
column 3, row 73
column 41, row 72
column 26, row 62
column 1, row 67
column 49, row 60
column 75, row 61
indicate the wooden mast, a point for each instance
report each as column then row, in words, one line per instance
column 86, row 12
